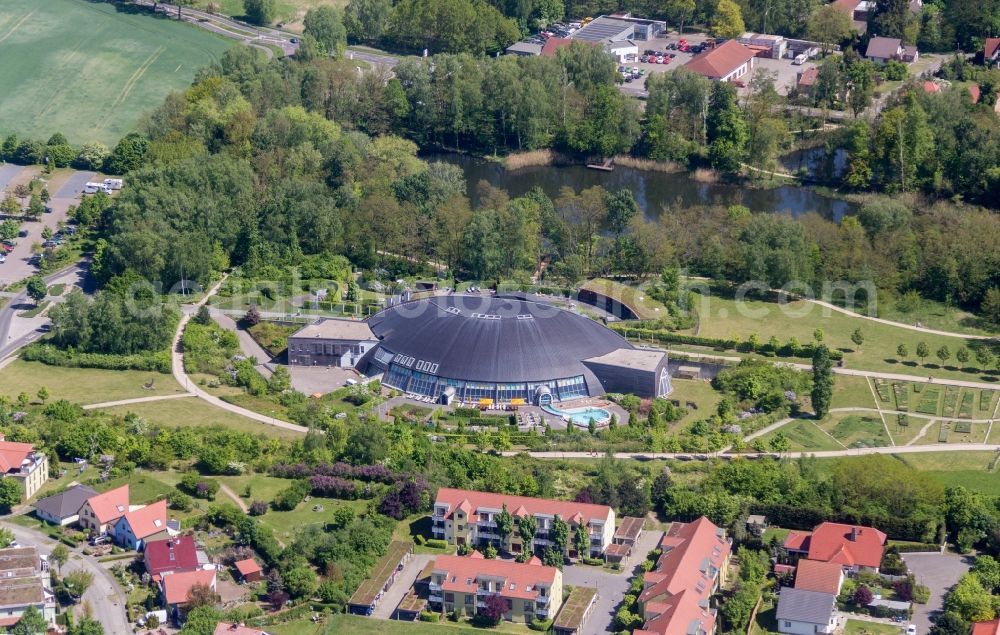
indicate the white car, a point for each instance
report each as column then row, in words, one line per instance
column 3, row 258
column 911, row 629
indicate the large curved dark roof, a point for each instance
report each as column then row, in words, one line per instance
column 493, row 338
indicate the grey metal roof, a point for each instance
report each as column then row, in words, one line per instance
column 525, row 48
column 67, row 503
column 883, row 47
column 605, row 29
column 492, row 339
column 799, row 605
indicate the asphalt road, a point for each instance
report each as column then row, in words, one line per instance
column 9, row 344
column 106, row 599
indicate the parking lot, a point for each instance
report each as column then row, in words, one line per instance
column 784, row 71
column 66, row 192
column 939, row 572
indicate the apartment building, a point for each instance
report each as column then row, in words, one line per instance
column 529, row 589
column 677, row 594
column 20, row 461
column 24, row 582
column 465, row 517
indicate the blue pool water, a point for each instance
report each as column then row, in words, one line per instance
column 581, row 416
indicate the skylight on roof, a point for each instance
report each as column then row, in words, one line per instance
column 121, row 508
column 157, row 522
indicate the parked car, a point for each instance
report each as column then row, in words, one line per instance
column 911, row 629
column 48, row 209
column 659, row 59
column 3, row 258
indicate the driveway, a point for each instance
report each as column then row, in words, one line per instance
column 404, row 581
column 611, row 586
column 105, row 598
column 938, row 572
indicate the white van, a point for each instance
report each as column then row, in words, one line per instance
column 114, row 184
column 800, row 59
column 94, row 188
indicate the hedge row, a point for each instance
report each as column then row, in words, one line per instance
column 47, row 354
column 806, row 518
column 917, row 547
column 669, row 337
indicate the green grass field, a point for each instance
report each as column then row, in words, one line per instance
column 355, row 625
column 856, row 430
column 195, row 412
column 952, row 469
column 288, row 13
column 724, row 318
column 806, row 436
column 90, row 71
column 82, row 385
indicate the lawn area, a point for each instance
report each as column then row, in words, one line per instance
column 861, row 627
column 262, row 486
column 635, row 299
column 957, row 432
column 418, row 525
column 854, row 430
column 195, row 412
column 805, row 436
column 286, row 524
column 952, row 469
column 723, row 317
column 88, row 70
column 850, row 391
column 934, row 315
column 701, row 393
column 83, row 385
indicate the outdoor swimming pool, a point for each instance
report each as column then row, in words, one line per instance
column 581, row 416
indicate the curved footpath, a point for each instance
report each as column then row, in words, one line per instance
column 177, row 366
column 912, row 327
column 826, row 454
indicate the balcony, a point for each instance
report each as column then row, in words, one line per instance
column 481, row 592
column 435, row 597
column 596, row 542
column 541, row 613
column 486, row 523
column 434, row 587
column 543, row 600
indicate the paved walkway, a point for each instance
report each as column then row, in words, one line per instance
column 177, row 366
column 127, row 402
column 248, row 345
column 824, row 454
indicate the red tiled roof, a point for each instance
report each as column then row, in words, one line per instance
column 797, row 540
column 177, row 585
column 172, row 554
column 225, row 628
column 931, row 87
column 553, row 44
column 676, row 592
column 520, row 580
column 813, row 575
column 110, row 505
column 471, row 501
column 149, row 520
column 986, row 628
column 808, row 76
column 246, row 567
column 974, row 93
column 12, row 455
column 991, row 46
column 721, row 60
column 680, row 614
column 847, row 545
column 847, row 6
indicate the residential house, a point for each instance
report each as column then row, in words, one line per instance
column 225, row 628
column 465, row 517
column 175, row 588
column 806, row 80
column 100, row 512
column 853, row 547
column 249, row 570
column 20, row 461
column 802, row 612
column 171, row 555
column 626, row 537
column 729, row 62
column 825, row 577
column 64, row 508
column 146, row 523
column 530, row 590
column 991, row 51
column 858, row 11
column 883, row 49
column 676, row 595
column 986, row 628
column 24, row 582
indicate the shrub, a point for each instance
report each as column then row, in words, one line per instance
column 257, row 508
column 437, row 543
column 540, row 625
column 179, row 501
column 290, row 497
column 419, row 539
column 158, row 361
column 428, row 616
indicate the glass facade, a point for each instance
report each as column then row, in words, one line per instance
column 418, row 383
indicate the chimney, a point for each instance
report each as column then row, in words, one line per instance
column 854, row 534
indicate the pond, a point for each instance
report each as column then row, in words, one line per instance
column 652, row 190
